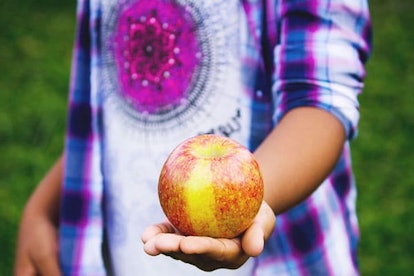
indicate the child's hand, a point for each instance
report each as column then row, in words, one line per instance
column 209, row 253
column 37, row 251
column 37, row 243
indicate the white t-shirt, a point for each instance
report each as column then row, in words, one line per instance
column 190, row 80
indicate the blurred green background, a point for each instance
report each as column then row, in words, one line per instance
column 35, row 49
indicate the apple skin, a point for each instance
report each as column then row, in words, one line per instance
column 210, row 186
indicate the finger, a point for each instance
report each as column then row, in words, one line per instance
column 267, row 219
column 200, row 261
column 261, row 229
column 253, row 240
column 209, row 254
column 217, row 249
column 163, row 243
column 153, row 230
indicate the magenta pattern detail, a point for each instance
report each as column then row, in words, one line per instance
column 157, row 54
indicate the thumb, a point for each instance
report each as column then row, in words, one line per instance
column 259, row 232
column 253, row 240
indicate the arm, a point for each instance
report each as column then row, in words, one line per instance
column 294, row 159
column 37, row 245
column 298, row 155
column 320, row 68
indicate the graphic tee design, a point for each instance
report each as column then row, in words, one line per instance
column 159, row 56
column 171, row 70
column 168, row 64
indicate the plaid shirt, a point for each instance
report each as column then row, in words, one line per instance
column 319, row 48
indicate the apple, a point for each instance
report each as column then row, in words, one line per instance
column 210, row 186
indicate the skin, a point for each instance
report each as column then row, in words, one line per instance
column 37, row 246
column 307, row 140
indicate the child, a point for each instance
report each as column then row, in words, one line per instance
column 281, row 77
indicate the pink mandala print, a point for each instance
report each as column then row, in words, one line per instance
column 157, row 54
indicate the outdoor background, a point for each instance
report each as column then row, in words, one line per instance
column 35, row 48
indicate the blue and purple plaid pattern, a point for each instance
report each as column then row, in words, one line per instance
column 319, row 48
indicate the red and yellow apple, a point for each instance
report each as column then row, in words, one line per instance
column 210, row 186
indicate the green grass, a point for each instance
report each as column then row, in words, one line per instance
column 383, row 153
column 35, row 51
column 35, row 48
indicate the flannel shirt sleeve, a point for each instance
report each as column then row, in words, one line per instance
column 81, row 220
column 320, row 56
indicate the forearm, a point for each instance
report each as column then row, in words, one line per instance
column 298, row 155
column 45, row 200
column 37, row 244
